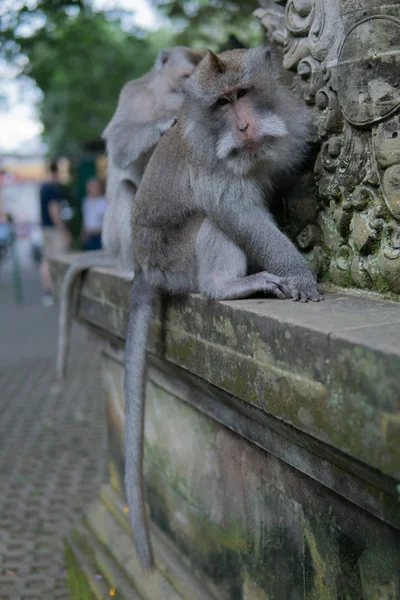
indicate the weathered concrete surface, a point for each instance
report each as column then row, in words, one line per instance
column 330, row 369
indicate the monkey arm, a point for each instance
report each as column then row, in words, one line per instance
column 128, row 141
column 254, row 230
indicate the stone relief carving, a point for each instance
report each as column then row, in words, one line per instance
column 345, row 60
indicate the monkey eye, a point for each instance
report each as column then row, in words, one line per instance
column 222, row 101
column 241, row 93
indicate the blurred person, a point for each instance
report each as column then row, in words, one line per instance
column 5, row 233
column 36, row 238
column 56, row 237
column 93, row 209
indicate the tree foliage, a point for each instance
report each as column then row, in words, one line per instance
column 213, row 23
column 79, row 59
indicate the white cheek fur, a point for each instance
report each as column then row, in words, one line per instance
column 273, row 126
column 269, row 126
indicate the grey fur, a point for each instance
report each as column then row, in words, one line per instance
column 142, row 304
column 200, row 219
column 147, row 108
column 85, row 262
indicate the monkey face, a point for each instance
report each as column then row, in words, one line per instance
column 245, row 128
column 236, row 97
column 178, row 63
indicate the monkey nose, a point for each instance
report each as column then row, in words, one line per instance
column 243, row 127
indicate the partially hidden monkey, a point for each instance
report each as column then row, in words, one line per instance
column 147, row 108
column 200, row 221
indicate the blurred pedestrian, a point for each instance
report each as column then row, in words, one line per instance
column 93, row 209
column 5, row 233
column 56, row 237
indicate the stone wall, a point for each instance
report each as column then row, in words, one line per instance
column 271, row 448
column 345, row 59
column 249, row 525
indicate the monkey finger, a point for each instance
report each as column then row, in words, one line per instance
column 286, row 290
column 303, row 297
column 273, row 290
column 278, row 293
column 280, row 283
column 316, row 296
column 275, row 285
column 295, row 295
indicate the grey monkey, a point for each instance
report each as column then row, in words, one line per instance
column 200, row 221
column 147, row 107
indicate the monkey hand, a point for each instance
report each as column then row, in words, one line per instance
column 167, row 125
column 304, row 287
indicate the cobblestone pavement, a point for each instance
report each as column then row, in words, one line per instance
column 52, row 445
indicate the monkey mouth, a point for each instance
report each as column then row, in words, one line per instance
column 252, row 145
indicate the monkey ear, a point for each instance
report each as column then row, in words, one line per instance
column 215, row 63
column 162, row 58
column 196, row 56
column 271, row 60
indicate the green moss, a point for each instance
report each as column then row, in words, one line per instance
column 381, row 284
column 182, row 351
column 386, row 216
column 342, row 278
column 375, row 246
column 326, row 265
column 316, row 567
column 219, row 550
column 78, row 585
column 155, row 463
column 209, row 535
column 238, row 386
column 158, row 508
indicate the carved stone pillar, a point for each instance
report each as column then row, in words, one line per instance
column 345, row 57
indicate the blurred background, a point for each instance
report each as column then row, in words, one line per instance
column 62, row 65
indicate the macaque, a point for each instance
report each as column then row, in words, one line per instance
column 147, row 108
column 200, row 221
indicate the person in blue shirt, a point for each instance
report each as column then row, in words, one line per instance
column 5, row 233
column 56, row 237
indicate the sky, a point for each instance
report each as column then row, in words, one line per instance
column 19, row 126
column 145, row 15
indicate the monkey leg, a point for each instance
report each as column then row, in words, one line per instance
column 116, row 234
column 222, row 269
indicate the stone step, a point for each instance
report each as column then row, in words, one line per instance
column 92, row 573
column 101, row 544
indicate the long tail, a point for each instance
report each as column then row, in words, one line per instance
column 142, row 305
column 82, row 263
